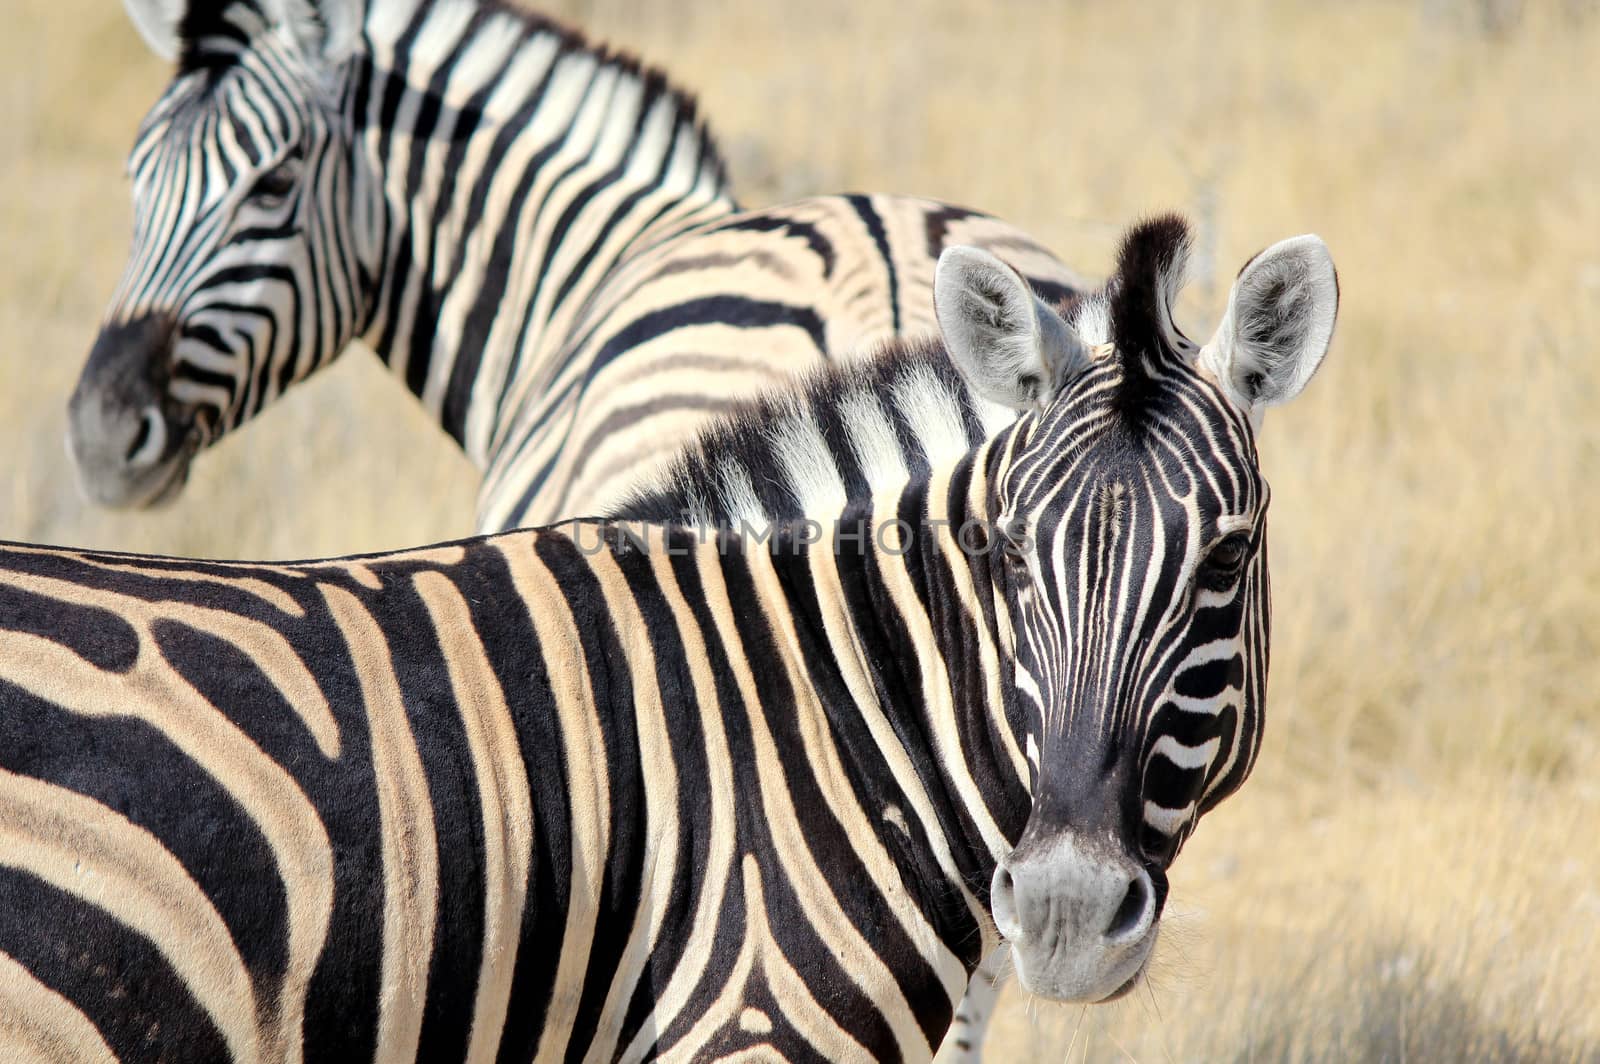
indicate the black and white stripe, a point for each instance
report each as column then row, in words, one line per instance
column 534, row 233
column 849, row 431
column 646, row 791
column 685, row 331
column 448, row 180
column 869, row 428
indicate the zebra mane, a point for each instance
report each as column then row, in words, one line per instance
column 838, row 436
column 654, row 79
column 212, row 37
column 843, row 434
column 1150, row 271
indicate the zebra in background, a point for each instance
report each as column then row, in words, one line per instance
column 661, row 792
column 726, row 311
column 535, row 234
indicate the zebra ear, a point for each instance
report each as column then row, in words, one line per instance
column 1278, row 324
column 157, row 22
column 325, row 29
column 1011, row 345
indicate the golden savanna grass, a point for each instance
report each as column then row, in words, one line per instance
column 1413, row 874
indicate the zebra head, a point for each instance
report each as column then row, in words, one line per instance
column 242, row 276
column 1131, row 533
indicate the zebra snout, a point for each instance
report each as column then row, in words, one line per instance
column 1081, row 922
column 125, row 444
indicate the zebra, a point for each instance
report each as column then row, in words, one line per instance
column 862, row 429
column 534, row 233
column 654, row 791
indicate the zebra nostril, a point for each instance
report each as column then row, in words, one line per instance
column 1003, row 903
column 149, row 441
column 1130, row 915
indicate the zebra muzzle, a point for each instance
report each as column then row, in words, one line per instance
column 125, row 434
column 1081, row 919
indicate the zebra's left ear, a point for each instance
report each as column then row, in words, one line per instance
column 1011, row 345
column 1278, row 325
column 326, row 29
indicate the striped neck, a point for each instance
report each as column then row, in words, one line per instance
column 503, row 166
column 902, row 595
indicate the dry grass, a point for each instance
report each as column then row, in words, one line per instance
column 1412, row 875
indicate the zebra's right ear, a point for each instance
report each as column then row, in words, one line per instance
column 1011, row 345
column 157, row 22
column 325, row 29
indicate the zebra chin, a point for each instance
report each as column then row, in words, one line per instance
column 1080, row 917
column 131, row 445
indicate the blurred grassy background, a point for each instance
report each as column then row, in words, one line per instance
column 1414, row 873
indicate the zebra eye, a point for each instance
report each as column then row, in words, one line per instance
column 1225, row 560
column 1014, row 544
column 273, row 187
